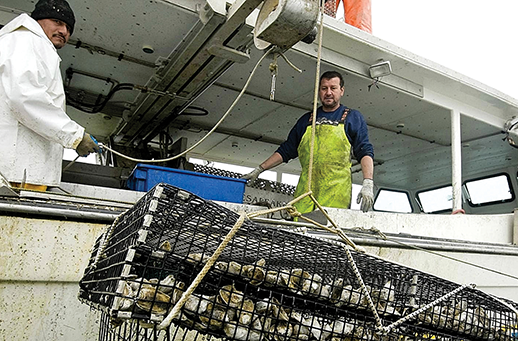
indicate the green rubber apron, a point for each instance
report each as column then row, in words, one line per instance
column 331, row 179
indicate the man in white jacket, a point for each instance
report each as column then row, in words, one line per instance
column 34, row 127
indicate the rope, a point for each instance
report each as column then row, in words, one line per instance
column 209, row 133
column 383, row 236
column 178, row 306
column 364, row 288
column 315, row 97
column 429, row 305
column 103, row 243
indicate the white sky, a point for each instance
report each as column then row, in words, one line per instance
column 474, row 37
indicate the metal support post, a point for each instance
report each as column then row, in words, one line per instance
column 456, row 160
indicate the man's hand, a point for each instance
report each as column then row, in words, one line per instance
column 366, row 195
column 252, row 176
column 87, row 145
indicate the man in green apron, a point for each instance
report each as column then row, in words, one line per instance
column 340, row 133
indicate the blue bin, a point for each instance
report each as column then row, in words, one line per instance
column 210, row 187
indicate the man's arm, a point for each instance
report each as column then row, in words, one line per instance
column 274, row 160
column 367, row 164
column 26, row 80
column 366, row 196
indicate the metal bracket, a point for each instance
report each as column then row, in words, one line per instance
column 229, row 53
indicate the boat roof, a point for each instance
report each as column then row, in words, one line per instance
column 162, row 47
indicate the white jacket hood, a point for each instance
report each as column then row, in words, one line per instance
column 24, row 21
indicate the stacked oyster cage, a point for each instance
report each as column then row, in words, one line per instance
column 271, row 284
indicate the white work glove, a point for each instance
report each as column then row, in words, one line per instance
column 366, row 195
column 252, row 176
column 87, row 145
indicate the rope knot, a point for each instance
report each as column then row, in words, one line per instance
column 293, row 211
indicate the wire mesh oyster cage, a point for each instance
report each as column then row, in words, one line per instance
column 271, row 284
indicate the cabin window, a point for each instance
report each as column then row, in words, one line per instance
column 392, row 201
column 489, row 190
column 290, row 179
column 436, row 200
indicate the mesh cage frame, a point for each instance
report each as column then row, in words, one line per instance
column 262, row 184
column 171, row 232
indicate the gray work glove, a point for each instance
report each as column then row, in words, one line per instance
column 366, row 195
column 252, row 176
column 87, row 145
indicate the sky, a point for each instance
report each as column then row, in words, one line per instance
column 473, row 37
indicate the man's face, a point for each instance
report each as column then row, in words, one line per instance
column 330, row 93
column 56, row 30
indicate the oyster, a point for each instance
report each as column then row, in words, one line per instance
column 276, row 311
column 242, row 333
column 312, row 285
column 150, row 299
column 325, row 292
column 245, row 312
column 197, row 258
column 146, row 325
column 231, row 296
column 341, row 328
column 271, row 278
column 167, row 284
column 178, row 292
column 223, row 266
column 165, row 246
column 255, row 272
column 215, row 316
column 300, row 332
column 127, row 301
column 296, row 279
column 196, row 305
column 234, row 268
column 137, row 283
column 336, row 290
column 281, row 331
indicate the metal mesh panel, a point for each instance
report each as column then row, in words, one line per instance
column 266, row 185
column 269, row 283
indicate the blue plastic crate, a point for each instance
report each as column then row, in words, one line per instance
column 210, row 187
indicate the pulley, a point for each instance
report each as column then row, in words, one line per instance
column 285, row 22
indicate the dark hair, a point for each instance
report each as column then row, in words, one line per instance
column 332, row 74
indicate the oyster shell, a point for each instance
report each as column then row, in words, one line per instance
column 245, row 312
column 312, row 285
column 196, row 305
column 127, row 301
column 340, row 328
column 336, row 290
column 255, row 272
column 152, row 300
column 137, row 283
column 242, row 333
column 197, row 258
column 234, row 268
column 215, row 317
column 281, row 331
column 231, row 296
column 165, row 246
column 167, row 284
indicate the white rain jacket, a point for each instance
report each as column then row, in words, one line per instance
column 34, row 127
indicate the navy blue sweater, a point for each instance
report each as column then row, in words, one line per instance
column 355, row 130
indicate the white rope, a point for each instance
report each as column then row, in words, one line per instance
column 209, row 133
column 429, row 305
